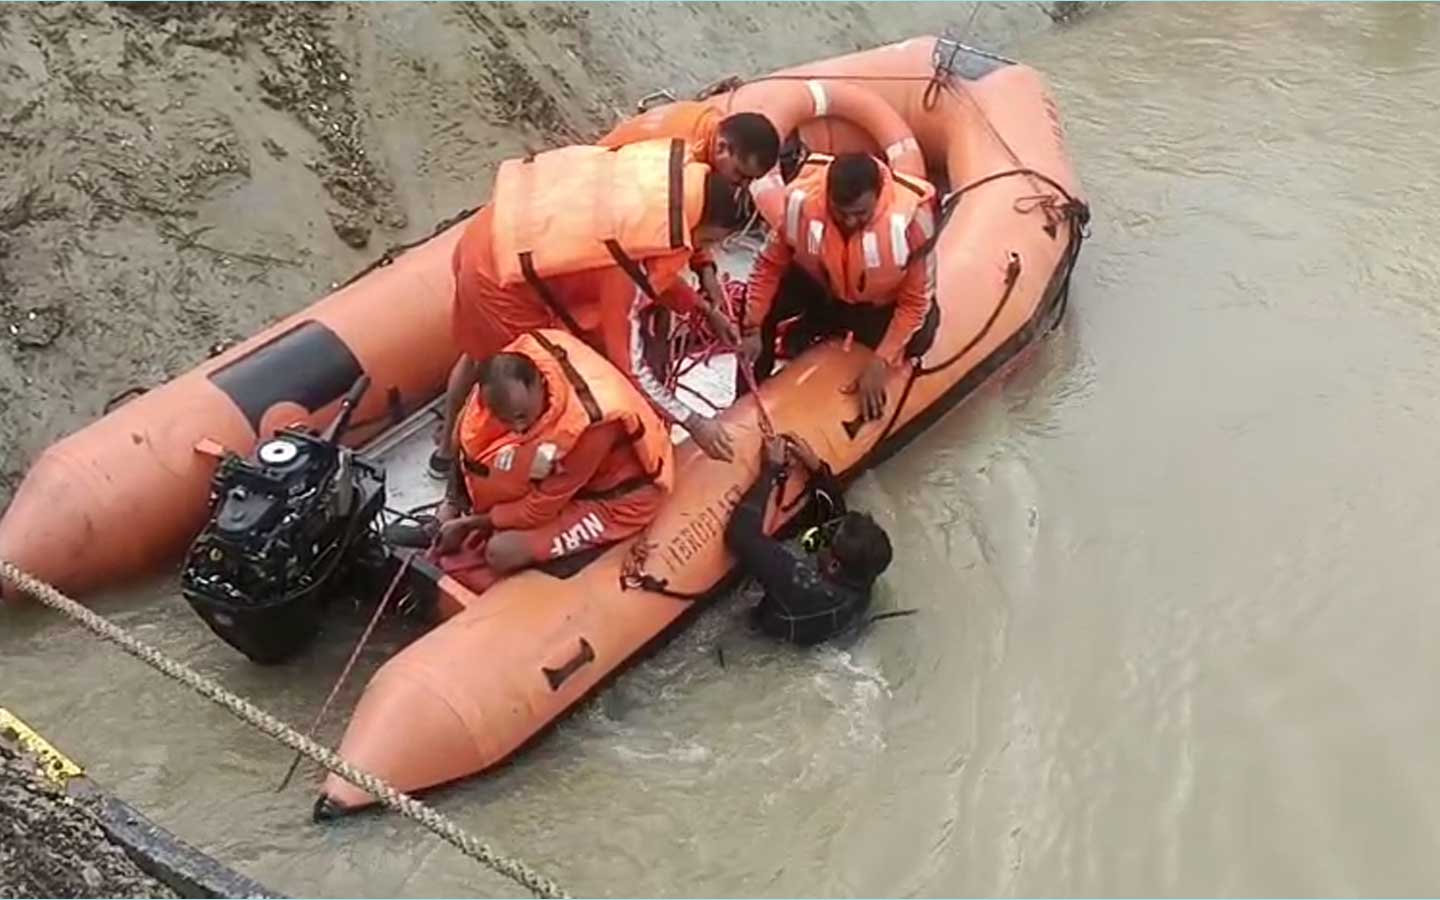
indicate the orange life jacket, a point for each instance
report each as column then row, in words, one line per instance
column 694, row 122
column 582, row 390
column 868, row 266
column 585, row 207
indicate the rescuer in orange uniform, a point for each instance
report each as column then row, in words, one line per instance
column 558, row 454
column 536, row 257
column 851, row 255
column 741, row 147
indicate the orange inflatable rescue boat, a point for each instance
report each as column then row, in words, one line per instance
column 474, row 690
column 122, row 497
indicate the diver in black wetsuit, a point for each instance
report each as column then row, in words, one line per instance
column 816, row 595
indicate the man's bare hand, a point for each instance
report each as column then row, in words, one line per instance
column 711, row 437
column 803, row 452
column 750, row 348
column 724, row 329
column 774, row 450
column 455, row 532
column 871, row 388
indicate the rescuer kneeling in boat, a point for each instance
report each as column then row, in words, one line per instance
column 558, row 454
column 815, row 596
column 540, row 256
column 852, row 254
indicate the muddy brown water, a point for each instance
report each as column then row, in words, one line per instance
column 1175, row 573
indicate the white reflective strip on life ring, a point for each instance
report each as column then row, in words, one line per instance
column 817, row 93
column 900, row 148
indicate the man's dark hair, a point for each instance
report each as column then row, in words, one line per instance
column 508, row 367
column 754, row 138
column 851, row 176
column 861, row 547
column 722, row 203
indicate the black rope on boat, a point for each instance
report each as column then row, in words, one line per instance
column 1076, row 211
column 123, row 397
column 395, row 251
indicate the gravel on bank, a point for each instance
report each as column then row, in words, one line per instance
column 51, row 845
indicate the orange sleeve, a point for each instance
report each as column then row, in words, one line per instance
column 765, row 278
column 665, row 271
column 912, row 301
column 548, row 497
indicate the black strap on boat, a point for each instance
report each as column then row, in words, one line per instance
column 1076, row 211
column 395, row 413
column 582, row 388
column 650, row 584
column 1012, row 276
column 633, row 576
column 395, row 251
column 123, row 397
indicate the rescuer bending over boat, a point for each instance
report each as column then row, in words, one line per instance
column 740, row 147
column 540, row 256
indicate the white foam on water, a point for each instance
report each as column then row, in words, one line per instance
column 689, row 752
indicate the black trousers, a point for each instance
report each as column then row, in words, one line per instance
column 823, row 316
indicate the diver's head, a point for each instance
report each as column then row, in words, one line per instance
column 860, row 549
column 512, row 390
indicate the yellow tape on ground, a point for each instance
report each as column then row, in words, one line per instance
column 55, row 765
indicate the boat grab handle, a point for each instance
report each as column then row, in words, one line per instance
column 559, row 676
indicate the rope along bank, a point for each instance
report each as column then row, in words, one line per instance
column 514, row 869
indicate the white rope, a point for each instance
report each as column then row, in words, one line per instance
column 514, row 869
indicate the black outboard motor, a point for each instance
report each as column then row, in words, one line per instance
column 284, row 525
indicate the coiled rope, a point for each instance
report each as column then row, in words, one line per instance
column 514, row 869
